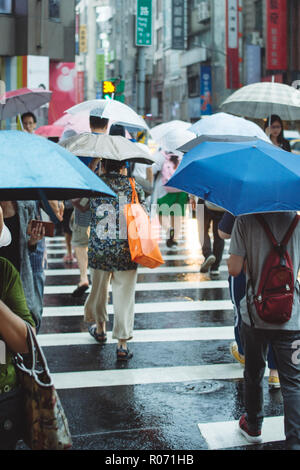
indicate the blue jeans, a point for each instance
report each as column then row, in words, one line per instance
column 255, row 342
column 39, row 283
column 237, row 286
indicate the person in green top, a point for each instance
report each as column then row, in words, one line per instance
column 13, row 339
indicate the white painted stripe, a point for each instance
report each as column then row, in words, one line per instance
column 62, row 251
column 193, row 268
column 108, row 378
column 222, row 435
column 159, row 307
column 150, row 286
column 143, row 336
column 188, row 257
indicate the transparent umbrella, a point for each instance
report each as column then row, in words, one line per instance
column 113, row 110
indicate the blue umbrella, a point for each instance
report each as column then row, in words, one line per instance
column 242, row 177
column 32, row 167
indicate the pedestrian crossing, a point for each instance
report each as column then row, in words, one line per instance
column 181, row 390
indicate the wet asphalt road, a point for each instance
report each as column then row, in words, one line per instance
column 181, row 374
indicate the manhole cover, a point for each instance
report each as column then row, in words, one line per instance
column 204, row 386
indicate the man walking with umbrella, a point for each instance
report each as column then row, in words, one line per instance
column 250, row 241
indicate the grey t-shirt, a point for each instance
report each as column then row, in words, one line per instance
column 249, row 240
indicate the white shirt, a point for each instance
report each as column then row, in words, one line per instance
column 5, row 236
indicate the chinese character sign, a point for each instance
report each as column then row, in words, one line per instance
column 178, row 24
column 232, row 44
column 144, row 23
column 276, row 35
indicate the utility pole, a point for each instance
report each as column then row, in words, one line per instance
column 141, row 75
column 91, row 55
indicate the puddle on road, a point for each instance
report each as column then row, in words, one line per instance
column 198, row 388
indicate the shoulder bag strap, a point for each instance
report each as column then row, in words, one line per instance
column 36, row 354
column 134, row 199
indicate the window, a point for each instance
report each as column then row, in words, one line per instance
column 6, row 6
column 54, row 7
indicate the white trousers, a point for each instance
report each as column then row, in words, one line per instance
column 123, row 295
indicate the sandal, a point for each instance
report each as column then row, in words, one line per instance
column 68, row 259
column 80, row 290
column 123, row 354
column 100, row 337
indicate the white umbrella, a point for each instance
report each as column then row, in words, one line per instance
column 262, row 99
column 116, row 111
column 111, row 147
column 226, row 124
column 159, row 131
column 174, row 139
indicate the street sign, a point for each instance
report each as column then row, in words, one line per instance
column 144, row 23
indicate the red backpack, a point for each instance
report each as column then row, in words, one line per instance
column 275, row 294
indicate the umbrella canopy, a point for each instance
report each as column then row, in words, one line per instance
column 262, row 99
column 114, row 110
column 111, row 147
column 50, row 131
column 242, row 177
column 21, row 101
column 31, row 164
column 174, row 139
column 159, row 131
column 76, row 122
column 226, row 124
column 213, row 138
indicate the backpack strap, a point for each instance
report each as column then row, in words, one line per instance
column 290, row 231
column 279, row 247
column 266, row 228
column 286, row 237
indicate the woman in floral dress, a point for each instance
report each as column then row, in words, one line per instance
column 110, row 260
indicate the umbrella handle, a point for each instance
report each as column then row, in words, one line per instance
column 20, row 121
column 47, row 206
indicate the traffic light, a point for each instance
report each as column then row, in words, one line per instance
column 108, row 89
column 119, row 89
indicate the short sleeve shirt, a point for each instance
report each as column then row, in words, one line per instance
column 12, row 294
column 249, row 240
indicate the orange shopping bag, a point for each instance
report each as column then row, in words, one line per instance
column 143, row 247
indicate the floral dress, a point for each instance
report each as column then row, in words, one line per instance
column 108, row 248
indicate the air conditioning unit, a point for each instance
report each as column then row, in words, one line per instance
column 203, row 12
column 256, row 39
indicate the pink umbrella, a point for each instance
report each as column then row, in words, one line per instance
column 78, row 123
column 21, row 101
column 50, row 131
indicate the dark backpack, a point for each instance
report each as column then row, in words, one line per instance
column 275, row 294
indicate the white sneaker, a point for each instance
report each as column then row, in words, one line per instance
column 207, row 263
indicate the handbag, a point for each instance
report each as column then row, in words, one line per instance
column 45, row 424
column 11, row 418
column 143, row 247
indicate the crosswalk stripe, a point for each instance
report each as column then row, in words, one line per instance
column 152, row 307
column 160, row 270
column 226, row 434
column 150, row 286
column 139, row 336
column 173, row 257
column 150, row 375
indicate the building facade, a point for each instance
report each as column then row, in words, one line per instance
column 35, row 36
